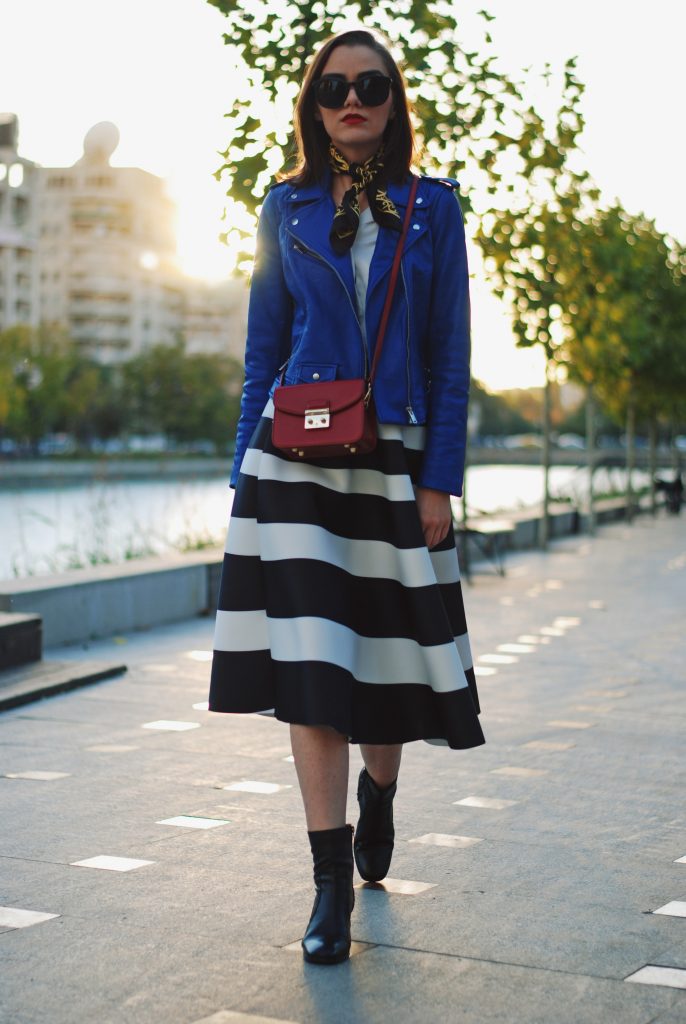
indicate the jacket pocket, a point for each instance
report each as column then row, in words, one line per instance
column 309, row 373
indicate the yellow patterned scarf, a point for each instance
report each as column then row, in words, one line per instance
column 369, row 178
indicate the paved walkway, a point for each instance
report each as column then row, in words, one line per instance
column 542, row 859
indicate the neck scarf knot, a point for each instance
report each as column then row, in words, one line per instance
column 369, row 178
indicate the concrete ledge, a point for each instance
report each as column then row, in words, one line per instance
column 97, row 602
column 46, row 678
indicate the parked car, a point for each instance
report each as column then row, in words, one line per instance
column 149, row 443
column 523, row 441
column 56, row 444
column 571, row 441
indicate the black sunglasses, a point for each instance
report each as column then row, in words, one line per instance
column 332, row 91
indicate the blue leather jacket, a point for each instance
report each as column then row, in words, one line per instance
column 302, row 313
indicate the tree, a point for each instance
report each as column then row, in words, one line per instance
column 526, row 240
column 627, row 315
column 34, row 367
column 186, row 397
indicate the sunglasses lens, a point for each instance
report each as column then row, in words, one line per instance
column 331, row 92
column 372, row 91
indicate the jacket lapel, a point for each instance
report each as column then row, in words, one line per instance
column 309, row 215
column 382, row 260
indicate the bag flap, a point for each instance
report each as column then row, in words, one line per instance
column 335, row 395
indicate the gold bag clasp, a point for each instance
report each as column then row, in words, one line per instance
column 315, row 419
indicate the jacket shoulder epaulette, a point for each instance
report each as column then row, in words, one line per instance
column 449, row 183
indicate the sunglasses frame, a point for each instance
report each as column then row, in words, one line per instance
column 344, row 81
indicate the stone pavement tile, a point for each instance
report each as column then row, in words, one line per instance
column 530, row 931
column 121, row 972
column 675, row 955
column 408, row 986
column 210, row 894
column 651, row 974
column 630, row 883
column 92, row 812
column 677, row 1015
column 559, row 819
column 236, row 1017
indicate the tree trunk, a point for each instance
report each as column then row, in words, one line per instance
column 590, row 454
column 630, row 458
column 652, row 459
column 544, row 522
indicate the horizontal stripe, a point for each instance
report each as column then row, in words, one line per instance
column 356, row 516
column 465, row 651
column 411, row 437
column 368, row 659
column 373, row 607
column 241, row 584
column 343, row 480
column 312, row 693
column 445, row 566
column 241, row 631
column 413, row 567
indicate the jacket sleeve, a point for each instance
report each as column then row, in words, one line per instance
column 449, row 349
column 270, row 315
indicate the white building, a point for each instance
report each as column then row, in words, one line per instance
column 92, row 247
column 18, row 230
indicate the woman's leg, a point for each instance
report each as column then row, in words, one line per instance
column 321, row 761
column 382, row 761
column 321, row 756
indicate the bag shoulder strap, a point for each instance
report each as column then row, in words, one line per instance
column 394, row 277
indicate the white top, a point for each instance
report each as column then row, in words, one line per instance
column 361, row 253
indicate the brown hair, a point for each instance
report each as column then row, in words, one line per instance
column 311, row 139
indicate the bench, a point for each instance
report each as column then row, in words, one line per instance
column 490, row 536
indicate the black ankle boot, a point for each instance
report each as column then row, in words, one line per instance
column 327, row 939
column 374, row 834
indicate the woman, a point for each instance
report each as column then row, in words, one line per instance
column 340, row 608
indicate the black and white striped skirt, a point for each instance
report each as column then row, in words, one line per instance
column 332, row 610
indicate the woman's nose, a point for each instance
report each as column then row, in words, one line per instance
column 352, row 99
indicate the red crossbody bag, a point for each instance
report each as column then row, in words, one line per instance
column 337, row 417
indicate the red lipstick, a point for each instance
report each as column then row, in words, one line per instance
column 353, row 119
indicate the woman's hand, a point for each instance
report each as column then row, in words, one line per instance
column 435, row 514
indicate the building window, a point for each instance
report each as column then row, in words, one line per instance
column 59, row 181
column 16, row 175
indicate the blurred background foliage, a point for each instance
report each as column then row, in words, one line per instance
column 47, row 386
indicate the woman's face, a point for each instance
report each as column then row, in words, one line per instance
column 355, row 130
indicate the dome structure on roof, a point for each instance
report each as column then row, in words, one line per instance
column 100, row 142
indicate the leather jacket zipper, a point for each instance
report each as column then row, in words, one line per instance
column 408, row 408
column 301, row 247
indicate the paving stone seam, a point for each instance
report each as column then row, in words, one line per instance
column 498, row 963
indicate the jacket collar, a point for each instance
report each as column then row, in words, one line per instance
column 309, row 212
column 321, row 190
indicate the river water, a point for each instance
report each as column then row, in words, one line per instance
column 51, row 530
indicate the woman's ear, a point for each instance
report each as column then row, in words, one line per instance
column 317, row 115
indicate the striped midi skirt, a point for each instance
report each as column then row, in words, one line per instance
column 331, row 608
